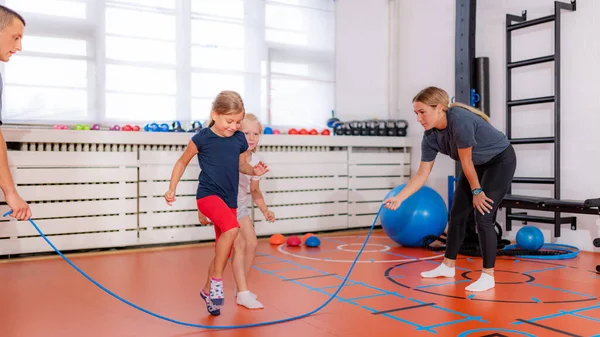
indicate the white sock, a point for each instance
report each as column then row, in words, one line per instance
column 484, row 283
column 440, row 271
column 244, row 298
column 251, row 293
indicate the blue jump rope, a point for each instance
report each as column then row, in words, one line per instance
column 211, row 326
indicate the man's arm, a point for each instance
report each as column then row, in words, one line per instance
column 6, row 181
column 19, row 207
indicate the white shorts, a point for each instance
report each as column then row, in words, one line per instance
column 243, row 206
column 243, row 211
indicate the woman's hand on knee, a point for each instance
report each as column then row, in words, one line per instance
column 482, row 203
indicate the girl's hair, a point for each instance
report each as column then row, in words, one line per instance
column 253, row 118
column 227, row 103
column 433, row 96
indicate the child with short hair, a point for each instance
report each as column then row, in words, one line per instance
column 221, row 154
column 244, row 246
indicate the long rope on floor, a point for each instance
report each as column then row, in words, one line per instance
column 211, row 326
column 471, row 247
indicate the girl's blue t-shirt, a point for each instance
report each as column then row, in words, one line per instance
column 219, row 159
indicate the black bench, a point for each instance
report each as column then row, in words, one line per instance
column 589, row 206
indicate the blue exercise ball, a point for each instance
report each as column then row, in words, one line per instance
column 530, row 238
column 423, row 213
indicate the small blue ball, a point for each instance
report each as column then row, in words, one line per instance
column 312, row 241
column 530, row 238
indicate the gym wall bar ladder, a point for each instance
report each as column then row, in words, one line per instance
column 512, row 200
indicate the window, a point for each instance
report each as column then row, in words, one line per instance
column 309, row 24
column 219, row 8
column 206, row 86
column 140, row 50
column 49, row 82
column 65, row 8
column 156, row 61
column 141, row 59
column 300, row 34
column 218, row 52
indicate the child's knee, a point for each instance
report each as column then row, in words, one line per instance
column 231, row 234
column 251, row 245
column 239, row 245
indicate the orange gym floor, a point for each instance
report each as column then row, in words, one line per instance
column 384, row 296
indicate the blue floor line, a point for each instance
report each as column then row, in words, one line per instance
column 416, row 325
column 559, row 314
column 348, row 283
column 466, row 319
column 366, row 296
column 545, row 269
column 561, row 290
column 288, row 269
column 583, row 316
column 382, row 292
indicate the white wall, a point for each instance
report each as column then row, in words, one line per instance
column 361, row 59
column 427, row 57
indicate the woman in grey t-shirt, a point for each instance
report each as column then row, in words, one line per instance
column 488, row 163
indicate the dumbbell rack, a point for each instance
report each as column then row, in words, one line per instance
column 373, row 127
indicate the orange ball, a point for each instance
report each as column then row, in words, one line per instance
column 306, row 236
column 277, row 239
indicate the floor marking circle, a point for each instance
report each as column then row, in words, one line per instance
column 471, row 297
column 281, row 249
column 342, row 248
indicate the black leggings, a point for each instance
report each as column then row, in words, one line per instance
column 495, row 178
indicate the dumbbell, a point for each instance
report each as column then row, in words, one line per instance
column 390, row 128
column 401, row 128
column 354, row 128
column 381, row 129
column 597, row 242
column 196, row 126
column 371, row 127
column 364, row 129
column 176, row 127
column 338, row 128
column 331, row 122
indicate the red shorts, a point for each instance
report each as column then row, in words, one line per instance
column 223, row 217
